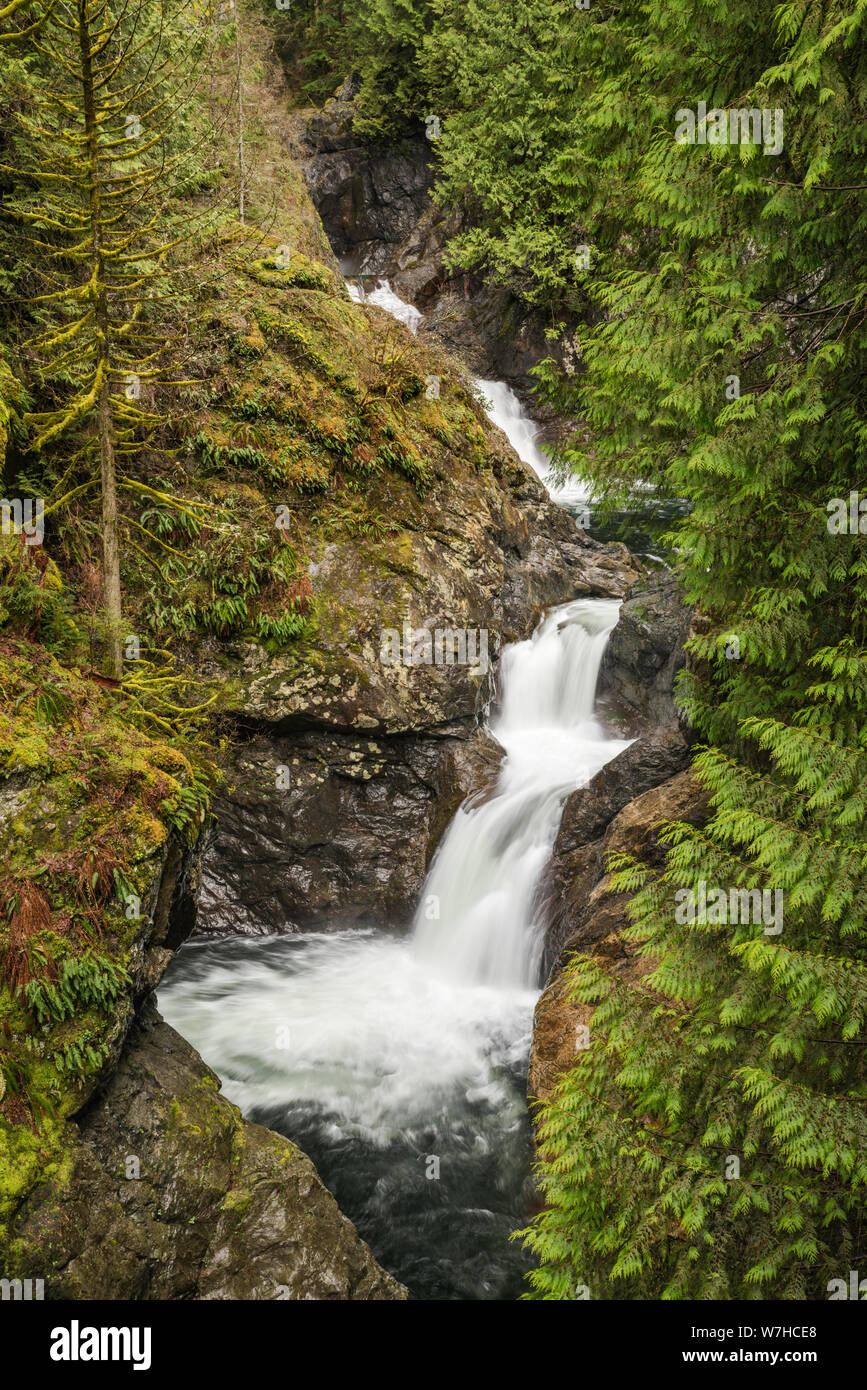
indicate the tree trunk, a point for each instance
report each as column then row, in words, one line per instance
column 110, row 536
column 105, row 423
column 240, row 114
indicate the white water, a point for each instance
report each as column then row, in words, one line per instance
column 376, row 1053
column 501, row 404
column 505, row 410
column 375, row 1040
column 379, row 1027
column 380, row 1054
column 486, row 874
column 383, row 295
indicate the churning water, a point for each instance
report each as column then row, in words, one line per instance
column 486, row 875
column 383, row 295
column 405, row 1090
column 399, row 1063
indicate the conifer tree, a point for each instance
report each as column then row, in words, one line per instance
column 393, row 85
column 93, row 168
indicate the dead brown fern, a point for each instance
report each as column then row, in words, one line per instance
column 29, row 913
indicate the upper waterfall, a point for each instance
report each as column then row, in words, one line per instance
column 505, row 410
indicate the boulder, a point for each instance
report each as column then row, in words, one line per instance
column 171, row 1194
column 645, row 652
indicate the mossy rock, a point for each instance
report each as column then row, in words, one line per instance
column 291, row 269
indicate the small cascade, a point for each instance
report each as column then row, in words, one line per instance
column 505, row 410
column 485, row 878
column 383, row 296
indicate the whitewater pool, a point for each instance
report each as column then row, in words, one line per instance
column 407, row 1093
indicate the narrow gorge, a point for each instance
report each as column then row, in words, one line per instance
column 371, row 905
column 432, row 633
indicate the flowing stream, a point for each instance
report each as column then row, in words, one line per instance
column 505, row 410
column 398, row 1063
column 502, row 405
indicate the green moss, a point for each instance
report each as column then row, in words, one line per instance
column 80, row 847
column 30, row 1157
column 292, row 270
column 238, row 1201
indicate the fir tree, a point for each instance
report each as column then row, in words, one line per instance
column 92, row 169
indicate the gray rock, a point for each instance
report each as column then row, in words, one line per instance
column 594, row 917
column 369, row 198
column 645, row 651
column 173, row 1195
column 376, row 208
column 348, row 841
column 585, row 829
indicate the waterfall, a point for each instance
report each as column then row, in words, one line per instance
column 501, row 404
column 399, row 1062
column 505, row 410
column 477, row 920
column 396, row 1060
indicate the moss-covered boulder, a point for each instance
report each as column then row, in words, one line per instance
column 170, row 1193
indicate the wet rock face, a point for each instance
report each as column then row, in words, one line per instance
column 590, row 818
column 173, row 1195
column 593, row 918
column 370, row 199
column 348, row 840
column 645, row 652
column 486, row 325
column 375, row 207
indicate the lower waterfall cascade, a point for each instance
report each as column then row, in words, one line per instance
column 485, row 877
column 398, row 1063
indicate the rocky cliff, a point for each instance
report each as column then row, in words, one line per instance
column 375, row 205
column 376, row 756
